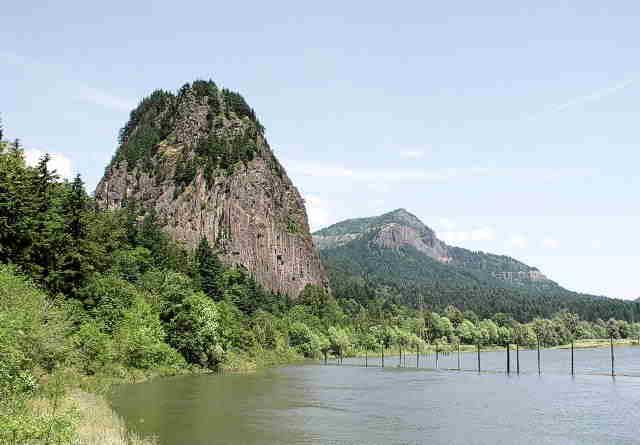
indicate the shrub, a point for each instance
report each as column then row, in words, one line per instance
column 107, row 297
column 130, row 264
column 304, row 340
column 139, row 339
column 195, row 331
column 94, row 347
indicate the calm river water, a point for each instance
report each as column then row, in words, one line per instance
column 348, row 404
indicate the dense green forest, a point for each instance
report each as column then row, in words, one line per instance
column 90, row 296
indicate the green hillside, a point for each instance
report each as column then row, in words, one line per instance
column 485, row 283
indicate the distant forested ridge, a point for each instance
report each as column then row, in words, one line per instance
column 396, row 256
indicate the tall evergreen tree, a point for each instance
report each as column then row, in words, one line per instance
column 209, row 269
column 75, row 207
column 78, row 260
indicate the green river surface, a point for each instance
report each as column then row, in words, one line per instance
column 350, row 404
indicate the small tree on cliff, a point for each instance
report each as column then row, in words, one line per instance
column 209, row 269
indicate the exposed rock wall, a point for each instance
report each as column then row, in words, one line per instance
column 251, row 211
column 395, row 235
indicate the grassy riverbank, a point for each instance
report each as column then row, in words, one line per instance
column 95, row 422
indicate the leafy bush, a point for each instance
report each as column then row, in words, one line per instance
column 93, row 346
column 139, row 339
column 195, row 331
column 130, row 264
column 32, row 333
column 304, row 340
column 107, row 297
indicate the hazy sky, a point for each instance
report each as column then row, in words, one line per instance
column 506, row 128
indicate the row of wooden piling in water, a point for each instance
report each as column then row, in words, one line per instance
column 478, row 351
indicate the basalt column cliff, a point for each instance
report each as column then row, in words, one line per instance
column 200, row 160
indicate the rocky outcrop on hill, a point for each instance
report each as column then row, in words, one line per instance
column 390, row 231
column 200, row 161
column 400, row 229
column 392, row 235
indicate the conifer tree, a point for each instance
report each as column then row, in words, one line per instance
column 75, row 206
column 76, row 262
column 209, row 269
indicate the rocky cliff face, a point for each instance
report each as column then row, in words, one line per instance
column 406, row 232
column 390, row 231
column 200, row 160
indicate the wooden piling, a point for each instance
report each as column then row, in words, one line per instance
column 508, row 359
column 366, row 358
column 478, row 345
column 517, row 359
column 437, row 356
column 572, row 366
column 383, row 355
column 417, row 356
column 458, row 356
column 539, row 369
column 613, row 364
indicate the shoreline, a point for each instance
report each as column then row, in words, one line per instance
column 430, row 349
column 90, row 396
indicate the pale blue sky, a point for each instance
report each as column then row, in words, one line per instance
column 507, row 128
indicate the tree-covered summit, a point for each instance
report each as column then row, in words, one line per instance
column 361, row 225
column 200, row 115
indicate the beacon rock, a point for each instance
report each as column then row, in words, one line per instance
column 200, row 161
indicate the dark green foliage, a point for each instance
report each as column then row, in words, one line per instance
column 132, row 263
column 149, row 124
column 45, row 224
column 240, row 289
column 292, row 226
column 140, row 144
column 185, row 172
column 409, row 277
column 154, row 119
column 236, row 103
column 320, row 304
column 146, row 112
column 216, row 152
column 209, row 270
column 107, row 298
column 204, row 88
